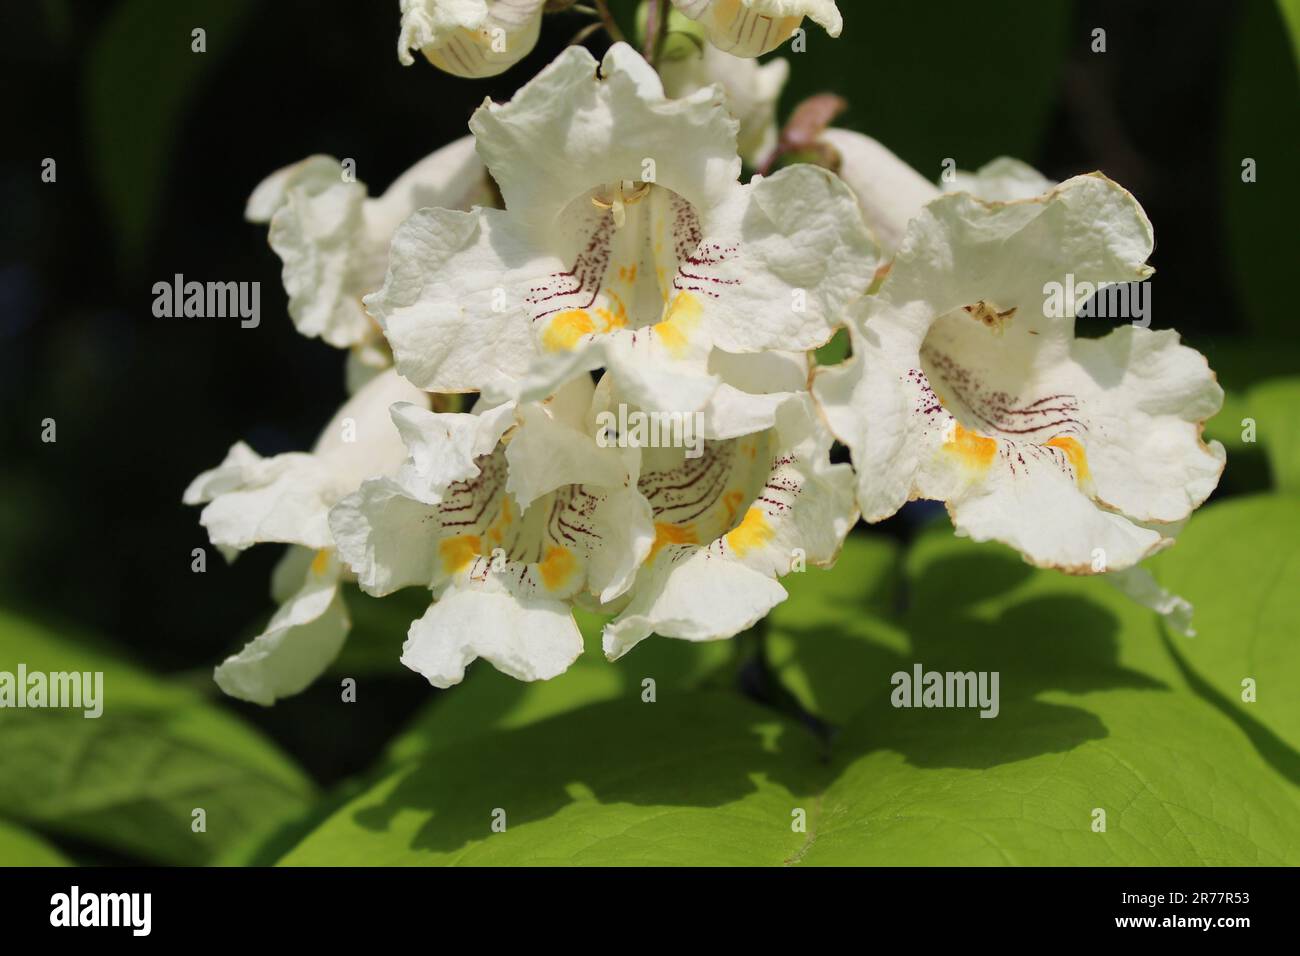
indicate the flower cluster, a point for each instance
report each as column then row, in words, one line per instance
column 593, row 254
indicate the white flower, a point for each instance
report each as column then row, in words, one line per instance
column 508, row 515
column 891, row 193
column 626, row 242
column 515, row 513
column 751, row 91
column 334, row 240
column 1080, row 453
column 1001, row 180
column 754, row 27
column 470, row 38
column 727, row 524
column 287, row 499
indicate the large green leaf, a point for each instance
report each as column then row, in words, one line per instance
column 1238, row 562
column 701, row 778
column 20, row 847
column 130, row 779
column 1095, row 713
column 488, row 700
column 833, row 626
column 1275, row 407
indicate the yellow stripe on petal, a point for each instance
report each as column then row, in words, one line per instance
column 320, row 562
column 683, row 318
column 556, row 567
column 974, row 450
column 565, row 331
column 1073, row 451
column 754, row 532
column 666, row 534
column 459, row 551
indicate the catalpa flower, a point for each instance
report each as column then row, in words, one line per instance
column 507, row 515
column 963, row 387
column 753, row 507
column 891, row 193
column 754, row 27
column 286, row 499
column 626, row 242
column 334, row 240
column 469, row 38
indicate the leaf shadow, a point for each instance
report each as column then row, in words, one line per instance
column 703, row 749
column 1273, row 749
column 1046, row 644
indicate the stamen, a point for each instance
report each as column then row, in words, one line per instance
column 988, row 314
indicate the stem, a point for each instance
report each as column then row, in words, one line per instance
column 656, row 31
column 607, row 18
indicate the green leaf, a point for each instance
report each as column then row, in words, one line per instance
column 20, row 847
column 1238, row 562
column 832, row 627
column 702, row 778
column 1291, row 17
column 1094, row 713
column 1275, row 407
column 488, row 700
column 130, row 779
column 133, row 117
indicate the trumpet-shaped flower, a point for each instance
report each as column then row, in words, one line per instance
column 515, row 513
column 507, row 515
column 626, row 242
column 286, row 499
column 968, row 385
column 469, row 38
column 751, row 508
column 754, row 27
column 333, row 239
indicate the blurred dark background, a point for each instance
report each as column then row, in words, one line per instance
column 157, row 149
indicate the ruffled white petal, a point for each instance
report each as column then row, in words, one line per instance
column 333, row 240
column 452, row 304
column 300, row 642
column 578, row 125
column 531, row 639
column 1001, row 180
column 253, row 499
column 695, row 598
column 889, row 191
column 796, row 255
column 287, row 498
